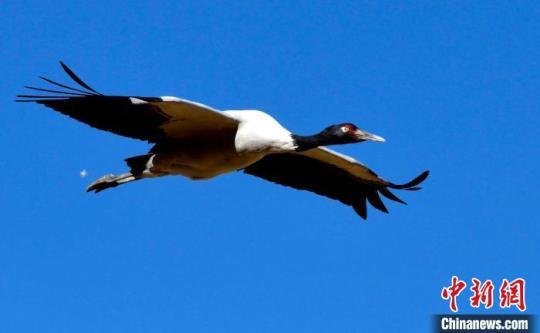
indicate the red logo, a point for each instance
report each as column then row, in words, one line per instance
column 511, row 293
column 453, row 291
column 482, row 293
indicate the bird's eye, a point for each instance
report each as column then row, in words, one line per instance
column 345, row 129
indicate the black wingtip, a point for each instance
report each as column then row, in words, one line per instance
column 389, row 195
column 416, row 188
column 375, row 201
column 360, row 208
column 75, row 78
column 55, row 91
column 41, row 96
column 413, row 183
column 66, row 86
column 70, row 92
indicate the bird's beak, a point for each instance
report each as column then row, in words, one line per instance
column 363, row 135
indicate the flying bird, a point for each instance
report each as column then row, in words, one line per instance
column 200, row 142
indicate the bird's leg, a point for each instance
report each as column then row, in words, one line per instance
column 109, row 181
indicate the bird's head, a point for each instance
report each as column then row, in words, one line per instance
column 348, row 133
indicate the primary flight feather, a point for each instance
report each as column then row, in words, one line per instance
column 199, row 142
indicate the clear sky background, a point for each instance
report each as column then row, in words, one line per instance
column 452, row 85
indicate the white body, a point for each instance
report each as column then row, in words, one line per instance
column 258, row 132
column 256, row 135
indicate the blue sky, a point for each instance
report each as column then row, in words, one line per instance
column 452, row 86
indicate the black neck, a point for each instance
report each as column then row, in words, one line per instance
column 309, row 141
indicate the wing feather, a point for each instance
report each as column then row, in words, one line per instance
column 65, row 86
column 329, row 174
column 76, row 78
column 146, row 118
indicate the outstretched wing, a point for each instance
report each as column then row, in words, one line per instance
column 145, row 118
column 332, row 175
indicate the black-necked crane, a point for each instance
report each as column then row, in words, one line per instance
column 199, row 142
